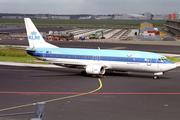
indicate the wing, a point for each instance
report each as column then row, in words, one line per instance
column 68, row 64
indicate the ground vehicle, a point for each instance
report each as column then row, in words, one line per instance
column 60, row 35
column 95, row 36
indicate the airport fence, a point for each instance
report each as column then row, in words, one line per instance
column 40, row 112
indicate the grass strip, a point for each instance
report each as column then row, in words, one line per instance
column 173, row 59
column 82, row 23
column 14, row 55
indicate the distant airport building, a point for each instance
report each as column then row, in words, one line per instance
column 173, row 24
column 147, row 30
column 104, row 17
column 177, row 16
column 145, row 24
column 145, row 16
column 172, row 16
column 60, row 17
column 85, row 18
column 41, row 16
column 148, row 15
column 160, row 17
column 12, row 17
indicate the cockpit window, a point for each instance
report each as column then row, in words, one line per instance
column 162, row 59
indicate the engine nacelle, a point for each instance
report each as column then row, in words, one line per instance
column 95, row 69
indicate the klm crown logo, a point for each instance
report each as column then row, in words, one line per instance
column 33, row 33
column 34, row 36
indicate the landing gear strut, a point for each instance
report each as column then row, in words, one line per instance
column 83, row 73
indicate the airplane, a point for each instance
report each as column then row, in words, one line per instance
column 95, row 61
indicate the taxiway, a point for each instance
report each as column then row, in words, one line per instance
column 121, row 96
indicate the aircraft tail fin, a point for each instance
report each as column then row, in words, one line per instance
column 34, row 37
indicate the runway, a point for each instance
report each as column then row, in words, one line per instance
column 122, row 96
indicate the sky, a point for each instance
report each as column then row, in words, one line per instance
column 89, row 6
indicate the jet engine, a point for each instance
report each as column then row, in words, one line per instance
column 95, row 69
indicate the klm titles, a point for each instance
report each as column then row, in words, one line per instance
column 34, row 36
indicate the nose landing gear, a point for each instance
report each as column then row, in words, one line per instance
column 156, row 75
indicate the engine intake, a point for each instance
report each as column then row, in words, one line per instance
column 95, row 69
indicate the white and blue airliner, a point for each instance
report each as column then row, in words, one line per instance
column 95, row 61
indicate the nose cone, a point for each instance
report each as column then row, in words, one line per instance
column 172, row 66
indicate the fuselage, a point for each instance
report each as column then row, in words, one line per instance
column 120, row 60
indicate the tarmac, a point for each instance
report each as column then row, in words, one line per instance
column 115, row 96
column 70, row 96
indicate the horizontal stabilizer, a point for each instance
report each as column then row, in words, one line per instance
column 21, row 49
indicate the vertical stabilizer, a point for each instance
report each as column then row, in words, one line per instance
column 34, row 37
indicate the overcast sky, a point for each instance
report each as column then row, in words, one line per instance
column 89, row 6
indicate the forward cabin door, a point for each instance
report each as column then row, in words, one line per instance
column 148, row 61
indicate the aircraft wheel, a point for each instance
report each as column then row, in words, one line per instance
column 155, row 77
column 100, row 76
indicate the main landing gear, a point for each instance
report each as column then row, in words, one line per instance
column 83, row 73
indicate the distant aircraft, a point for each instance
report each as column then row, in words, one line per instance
column 85, row 18
column 95, row 61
